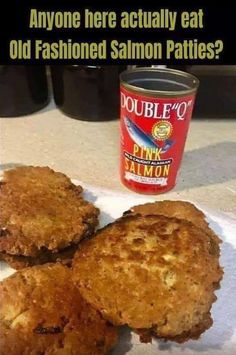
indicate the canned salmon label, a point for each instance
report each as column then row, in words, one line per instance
column 153, row 135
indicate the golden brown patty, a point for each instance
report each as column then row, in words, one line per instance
column 39, row 209
column 156, row 274
column 42, row 312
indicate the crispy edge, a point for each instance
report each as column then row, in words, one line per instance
column 19, row 262
column 178, row 209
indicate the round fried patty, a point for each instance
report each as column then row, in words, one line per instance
column 41, row 209
column 156, row 274
column 42, row 312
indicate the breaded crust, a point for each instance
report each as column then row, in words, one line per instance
column 156, row 274
column 19, row 262
column 40, row 208
column 42, row 312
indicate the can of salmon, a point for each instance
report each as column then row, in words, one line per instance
column 156, row 109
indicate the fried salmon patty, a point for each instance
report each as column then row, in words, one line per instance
column 40, row 210
column 42, row 312
column 156, row 274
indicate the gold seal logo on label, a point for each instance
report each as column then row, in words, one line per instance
column 162, row 130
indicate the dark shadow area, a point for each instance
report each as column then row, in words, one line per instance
column 48, row 107
column 213, row 164
column 88, row 195
column 124, row 342
column 105, row 219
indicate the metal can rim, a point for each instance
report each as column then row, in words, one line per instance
column 160, row 93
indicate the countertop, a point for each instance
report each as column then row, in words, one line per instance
column 89, row 151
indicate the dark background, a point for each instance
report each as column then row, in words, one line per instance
column 219, row 19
